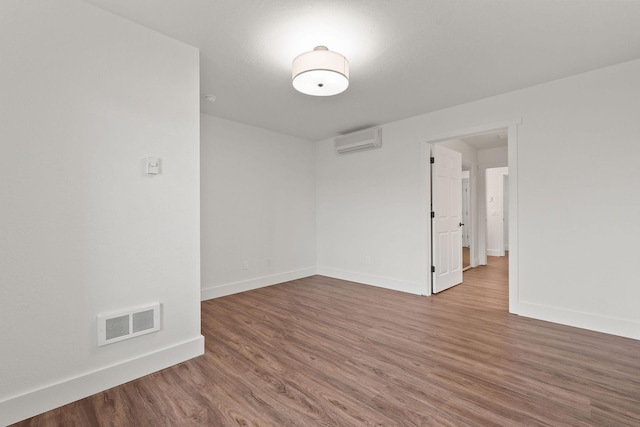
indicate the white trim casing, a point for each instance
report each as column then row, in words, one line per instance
column 514, row 249
column 577, row 319
column 254, row 283
column 52, row 396
column 512, row 146
column 494, row 252
column 372, row 280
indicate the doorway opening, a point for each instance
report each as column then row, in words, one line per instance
column 486, row 157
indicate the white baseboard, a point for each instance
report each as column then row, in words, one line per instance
column 255, row 283
column 593, row 322
column 35, row 402
column 368, row 279
column 494, row 252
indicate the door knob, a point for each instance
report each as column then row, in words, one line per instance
column 460, row 225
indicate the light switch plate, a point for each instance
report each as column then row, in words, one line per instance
column 153, row 165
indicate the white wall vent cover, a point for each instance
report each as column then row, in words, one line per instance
column 130, row 323
column 358, row 141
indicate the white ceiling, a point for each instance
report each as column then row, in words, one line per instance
column 486, row 141
column 407, row 57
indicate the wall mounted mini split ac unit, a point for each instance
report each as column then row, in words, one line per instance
column 358, row 141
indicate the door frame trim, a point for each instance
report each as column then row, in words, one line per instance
column 472, row 216
column 512, row 162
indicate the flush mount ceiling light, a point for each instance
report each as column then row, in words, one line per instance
column 320, row 72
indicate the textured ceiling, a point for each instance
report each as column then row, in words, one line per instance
column 407, row 57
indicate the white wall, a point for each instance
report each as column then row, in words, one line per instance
column 258, row 206
column 494, row 210
column 489, row 158
column 577, row 272
column 469, row 154
column 85, row 97
column 369, row 225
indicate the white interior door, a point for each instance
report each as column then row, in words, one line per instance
column 446, row 228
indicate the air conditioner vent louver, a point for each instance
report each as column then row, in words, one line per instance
column 358, row 141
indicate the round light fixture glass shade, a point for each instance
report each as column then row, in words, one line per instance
column 320, row 72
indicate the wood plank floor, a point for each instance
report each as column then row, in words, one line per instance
column 324, row 352
column 466, row 257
